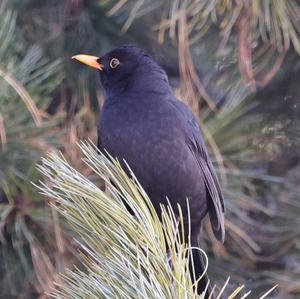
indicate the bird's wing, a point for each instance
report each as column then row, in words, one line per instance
column 215, row 200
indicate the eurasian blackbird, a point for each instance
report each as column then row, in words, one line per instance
column 142, row 122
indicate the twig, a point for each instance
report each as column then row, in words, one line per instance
column 244, row 50
column 24, row 95
column 2, row 133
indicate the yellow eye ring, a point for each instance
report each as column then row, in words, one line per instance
column 114, row 63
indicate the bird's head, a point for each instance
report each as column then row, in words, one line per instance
column 127, row 65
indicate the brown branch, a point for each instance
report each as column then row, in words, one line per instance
column 236, row 230
column 217, row 247
column 244, row 50
column 280, row 252
column 200, row 87
column 42, row 265
column 3, row 133
column 60, row 244
column 188, row 72
column 183, row 66
column 264, row 80
column 73, row 7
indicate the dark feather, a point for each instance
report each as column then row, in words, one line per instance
column 215, row 200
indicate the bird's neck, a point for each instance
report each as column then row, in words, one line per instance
column 142, row 83
column 150, row 83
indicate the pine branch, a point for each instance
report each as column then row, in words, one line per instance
column 124, row 255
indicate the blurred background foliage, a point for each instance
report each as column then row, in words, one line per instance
column 236, row 63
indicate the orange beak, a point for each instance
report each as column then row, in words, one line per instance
column 89, row 60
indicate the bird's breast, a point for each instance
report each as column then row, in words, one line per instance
column 139, row 129
column 152, row 141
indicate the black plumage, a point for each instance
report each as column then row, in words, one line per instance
column 142, row 122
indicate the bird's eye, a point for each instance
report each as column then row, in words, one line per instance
column 114, row 63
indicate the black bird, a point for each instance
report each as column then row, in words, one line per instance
column 142, row 122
